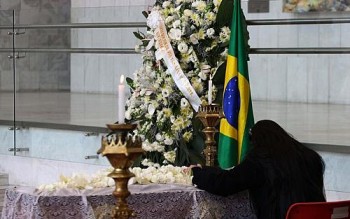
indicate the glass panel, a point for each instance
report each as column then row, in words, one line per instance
column 69, row 94
column 74, row 89
column 60, row 88
column 308, row 94
column 64, row 13
column 6, row 83
column 61, row 97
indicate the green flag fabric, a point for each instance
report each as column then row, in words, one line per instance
column 237, row 105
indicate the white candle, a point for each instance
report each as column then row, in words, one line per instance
column 121, row 100
column 210, row 90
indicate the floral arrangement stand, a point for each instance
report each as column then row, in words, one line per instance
column 210, row 116
column 121, row 150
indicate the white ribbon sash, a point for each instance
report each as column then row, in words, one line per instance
column 166, row 52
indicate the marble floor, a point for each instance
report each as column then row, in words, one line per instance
column 309, row 123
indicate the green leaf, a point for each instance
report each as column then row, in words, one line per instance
column 145, row 42
column 145, row 13
column 130, row 82
column 139, row 35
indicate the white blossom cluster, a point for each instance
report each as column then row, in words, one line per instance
column 81, row 181
column 153, row 174
column 165, row 174
column 164, row 114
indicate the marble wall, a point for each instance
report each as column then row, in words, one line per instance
column 293, row 78
column 299, row 78
column 36, row 71
column 100, row 73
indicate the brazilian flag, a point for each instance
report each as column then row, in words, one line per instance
column 237, row 105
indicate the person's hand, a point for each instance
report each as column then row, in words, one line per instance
column 188, row 170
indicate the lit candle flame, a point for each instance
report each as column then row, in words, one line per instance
column 121, row 79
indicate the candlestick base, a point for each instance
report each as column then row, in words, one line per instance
column 210, row 116
column 121, row 150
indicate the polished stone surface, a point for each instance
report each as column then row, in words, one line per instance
column 310, row 123
column 54, row 152
column 60, row 107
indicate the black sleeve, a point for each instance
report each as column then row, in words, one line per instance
column 226, row 182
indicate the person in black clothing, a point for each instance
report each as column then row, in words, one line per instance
column 278, row 172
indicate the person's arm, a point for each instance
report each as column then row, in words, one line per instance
column 226, row 182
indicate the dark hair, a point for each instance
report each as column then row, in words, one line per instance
column 293, row 169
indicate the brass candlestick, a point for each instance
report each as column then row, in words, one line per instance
column 210, row 116
column 121, row 150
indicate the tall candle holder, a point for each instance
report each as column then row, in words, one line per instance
column 210, row 116
column 121, row 150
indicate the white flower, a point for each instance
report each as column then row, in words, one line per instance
column 148, row 69
column 170, row 156
column 137, row 48
column 168, row 140
column 169, row 19
column 184, row 102
column 197, row 85
column 187, row 136
column 167, row 112
column 210, row 32
column 202, row 75
column 175, row 34
column 153, row 19
column 224, row 35
column 166, row 4
column 195, row 18
column 194, row 39
column 199, row 5
column 172, row 118
column 201, row 34
column 165, row 92
column 147, row 162
column 182, row 47
column 142, row 92
column 210, row 16
column 217, row 2
column 154, row 173
column 188, row 13
column 176, row 23
column 162, row 174
column 128, row 114
column 159, row 137
column 151, row 109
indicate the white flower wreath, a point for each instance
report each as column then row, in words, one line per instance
column 156, row 102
